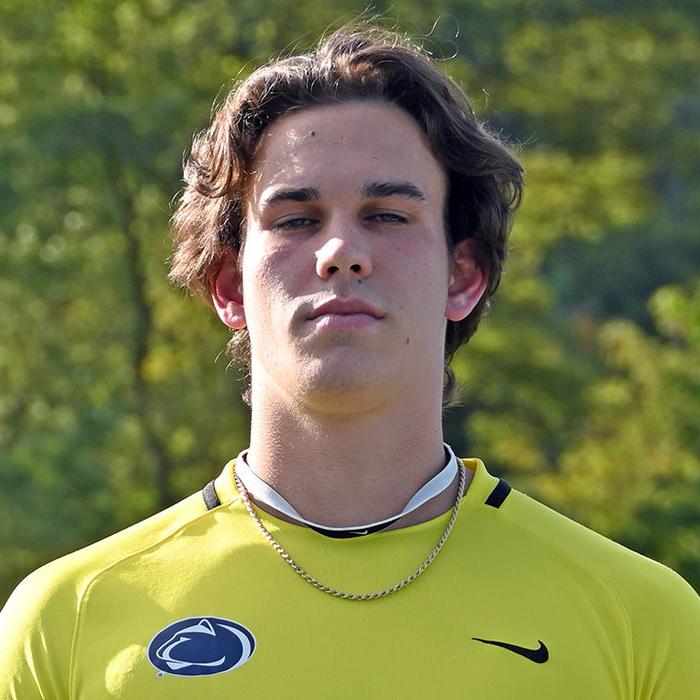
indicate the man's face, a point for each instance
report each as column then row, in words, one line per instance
column 346, row 204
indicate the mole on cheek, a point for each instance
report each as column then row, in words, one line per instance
column 408, row 340
column 313, row 133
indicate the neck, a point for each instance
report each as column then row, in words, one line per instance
column 341, row 470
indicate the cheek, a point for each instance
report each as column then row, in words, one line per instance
column 267, row 287
column 425, row 273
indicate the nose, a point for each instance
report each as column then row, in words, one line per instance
column 345, row 256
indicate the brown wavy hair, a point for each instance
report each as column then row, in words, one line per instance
column 355, row 62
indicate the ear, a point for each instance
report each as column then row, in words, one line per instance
column 467, row 282
column 227, row 292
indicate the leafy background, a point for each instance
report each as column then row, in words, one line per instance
column 582, row 387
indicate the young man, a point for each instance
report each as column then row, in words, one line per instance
column 346, row 216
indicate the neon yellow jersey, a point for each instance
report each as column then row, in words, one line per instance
column 521, row 603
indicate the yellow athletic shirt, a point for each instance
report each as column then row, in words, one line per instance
column 522, row 602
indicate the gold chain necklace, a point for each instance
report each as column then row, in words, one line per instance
column 357, row 596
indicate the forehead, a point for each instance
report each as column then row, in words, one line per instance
column 339, row 148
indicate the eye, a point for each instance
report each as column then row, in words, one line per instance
column 390, row 218
column 291, row 224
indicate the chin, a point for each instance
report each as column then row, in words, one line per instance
column 342, row 392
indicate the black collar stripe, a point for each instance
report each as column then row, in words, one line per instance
column 499, row 494
column 344, row 534
column 211, row 500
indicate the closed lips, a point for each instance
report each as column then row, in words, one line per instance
column 345, row 308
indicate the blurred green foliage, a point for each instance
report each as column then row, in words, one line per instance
column 582, row 387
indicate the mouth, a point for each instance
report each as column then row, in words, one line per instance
column 346, row 308
column 353, row 321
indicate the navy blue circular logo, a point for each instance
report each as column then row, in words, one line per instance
column 201, row 646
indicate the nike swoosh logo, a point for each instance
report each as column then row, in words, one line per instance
column 539, row 656
column 360, row 532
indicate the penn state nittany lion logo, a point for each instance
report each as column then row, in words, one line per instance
column 201, row 646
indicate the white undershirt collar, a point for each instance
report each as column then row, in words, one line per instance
column 266, row 494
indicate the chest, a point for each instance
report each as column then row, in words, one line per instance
column 450, row 634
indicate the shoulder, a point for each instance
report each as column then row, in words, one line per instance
column 659, row 609
column 523, row 528
column 43, row 610
column 69, row 574
column 628, row 572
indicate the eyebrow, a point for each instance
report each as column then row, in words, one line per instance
column 370, row 190
column 375, row 190
column 293, row 194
